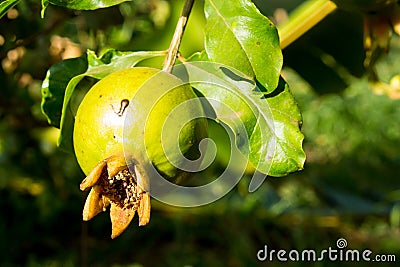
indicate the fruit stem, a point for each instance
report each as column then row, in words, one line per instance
column 177, row 38
column 302, row 19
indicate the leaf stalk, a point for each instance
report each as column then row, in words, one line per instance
column 177, row 37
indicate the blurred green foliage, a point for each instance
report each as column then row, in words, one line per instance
column 349, row 188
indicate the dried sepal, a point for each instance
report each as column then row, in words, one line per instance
column 114, row 184
column 93, row 176
column 144, row 205
column 120, row 219
column 115, row 164
column 94, row 203
column 144, row 209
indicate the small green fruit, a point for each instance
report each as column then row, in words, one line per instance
column 115, row 116
column 99, row 122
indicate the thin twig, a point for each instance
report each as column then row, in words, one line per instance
column 177, row 38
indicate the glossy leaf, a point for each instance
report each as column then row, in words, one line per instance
column 53, row 86
column 6, row 5
column 85, row 4
column 241, row 37
column 266, row 125
column 198, row 56
column 62, row 95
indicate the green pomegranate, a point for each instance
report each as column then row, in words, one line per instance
column 114, row 117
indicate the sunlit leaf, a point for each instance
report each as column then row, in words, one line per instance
column 53, row 86
column 85, row 4
column 7, row 5
column 241, row 37
column 198, row 56
column 266, row 125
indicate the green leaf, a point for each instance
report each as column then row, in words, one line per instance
column 289, row 154
column 84, row 4
column 198, row 56
column 7, row 5
column 67, row 83
column 53, row 86
column 266, row 125
column 238, row 35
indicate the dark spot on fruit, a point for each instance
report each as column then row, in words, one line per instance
column 258, row 43
column 100, row 96
column 124, row 104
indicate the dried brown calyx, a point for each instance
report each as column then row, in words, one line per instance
column 112, row 183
